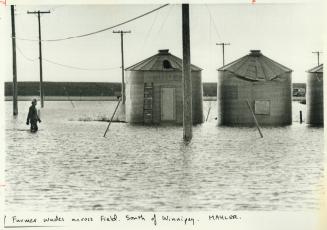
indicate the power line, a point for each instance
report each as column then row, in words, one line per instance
column 79, row 68
column 53, row 9
column 164, row 21
column 215, row 26
column 149, row 32
column 98, row 31
column 65, row 65
column 56, row 7
column 27, row 58
column 26, row 39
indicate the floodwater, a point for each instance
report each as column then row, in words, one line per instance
column 69, row 166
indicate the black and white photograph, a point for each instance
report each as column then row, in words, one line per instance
column 163, row 107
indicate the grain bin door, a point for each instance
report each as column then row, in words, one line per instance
column 167, row 104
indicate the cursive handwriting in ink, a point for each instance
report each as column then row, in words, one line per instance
column 223, row 217
column 139, row 217
column 113, row 218
column 15, row 220
column 154, row 219
column 182, row 219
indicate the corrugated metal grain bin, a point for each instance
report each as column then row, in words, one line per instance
column 154, row 91
column 315, row 96
column 264, row 83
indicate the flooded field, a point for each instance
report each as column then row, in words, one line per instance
column 69, row 166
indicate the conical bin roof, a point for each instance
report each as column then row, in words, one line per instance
column 317, row 69
column 256, row 67
column 162, row 61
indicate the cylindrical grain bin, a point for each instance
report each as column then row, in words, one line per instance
column 265, row 84
column 315, row 96
column 154, row 91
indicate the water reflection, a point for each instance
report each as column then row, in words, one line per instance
column 69, row 166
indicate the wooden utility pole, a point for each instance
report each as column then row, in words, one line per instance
column 121, row 32
column 187, row 84
column 318, row 54
column 14, row 63
column 40, row 53
column 223, row 45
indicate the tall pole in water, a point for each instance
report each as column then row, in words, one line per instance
column 122, row 64
column 318, row 54
column 187, row 84
column 14, row 63
column 40, row 53
column 223, row 46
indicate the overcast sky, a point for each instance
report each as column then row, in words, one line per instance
column 286, row 33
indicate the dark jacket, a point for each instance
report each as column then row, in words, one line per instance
column 32, row 115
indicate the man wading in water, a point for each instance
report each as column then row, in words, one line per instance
column 32, row 116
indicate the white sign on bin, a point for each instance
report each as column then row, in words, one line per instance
column 262, row 107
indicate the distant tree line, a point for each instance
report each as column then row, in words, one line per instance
column 65, row 88
column 91, row 88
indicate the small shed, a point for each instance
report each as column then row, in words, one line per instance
column 315, row 96
column 154, row 91
column 263, row 83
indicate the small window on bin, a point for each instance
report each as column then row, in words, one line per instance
column 262, row 107
column 166, row 64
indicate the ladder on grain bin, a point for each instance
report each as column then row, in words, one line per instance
column 148, row 104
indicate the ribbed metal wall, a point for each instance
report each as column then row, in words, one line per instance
column 234, row 91
column 161, row 79
column 315, row 99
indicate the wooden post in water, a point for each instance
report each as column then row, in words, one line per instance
column 255, row 119
column 112, row 117
column 14, row 63
column 300, row 117
column 187, row 84
column 208, row 111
